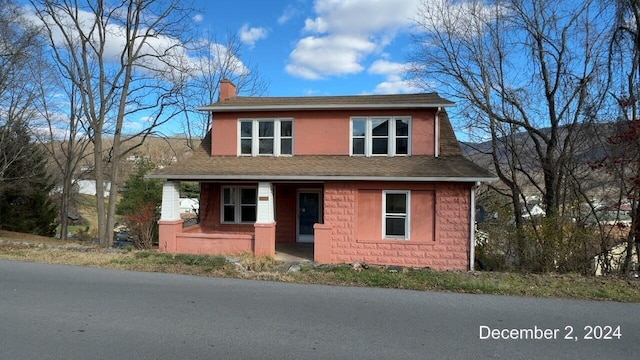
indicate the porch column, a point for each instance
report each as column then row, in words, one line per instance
column 170, row 223
column 265, row 226
column 265, row 203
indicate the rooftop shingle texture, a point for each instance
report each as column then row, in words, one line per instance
column 326, row 102
column 203, row 166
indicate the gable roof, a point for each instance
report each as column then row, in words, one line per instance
column 450, row 166
column 397, row 101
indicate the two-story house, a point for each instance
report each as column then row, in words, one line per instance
column 375, row 178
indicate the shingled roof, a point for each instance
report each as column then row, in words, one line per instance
column 402, row 101
column 449, row 166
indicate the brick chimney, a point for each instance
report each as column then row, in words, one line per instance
column 227, row 90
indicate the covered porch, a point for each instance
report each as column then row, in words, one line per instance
column 264, row 218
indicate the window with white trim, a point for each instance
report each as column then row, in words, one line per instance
column 395, row 207
column 380, row 136
column 239, row 204
column 265, row 137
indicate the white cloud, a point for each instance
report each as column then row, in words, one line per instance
column 370, row 25
column 198, row 18
column 172, row 49
column 385, row 67
column 289, row 12
column 394, row 83
column 249, row 35
column 316, row 57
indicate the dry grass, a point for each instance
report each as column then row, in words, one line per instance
column 46, row 250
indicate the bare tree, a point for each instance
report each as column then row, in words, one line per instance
column 519, row 67
column 62, row 132
column 19, row 51
column 624, row 162
column 124, row 59
column 217, row 61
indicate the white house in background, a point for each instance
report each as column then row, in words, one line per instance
column 189, row 205
column 536, row 210
column 88, row 187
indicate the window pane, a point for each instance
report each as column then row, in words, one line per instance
column 402, row 146
column 229, row 196
column 379, row 146
column 245, row 128
column 402, row 127
column 245, row 146
column 265, row 129
column 358, row 146
column 248, row 196
column 229, row 213
column 395, row 226
column 248, row 213
column 285, row 128
column 359, row 127
column 396, row 204
column 285, row 146
column 265, row 146
column 379, row 127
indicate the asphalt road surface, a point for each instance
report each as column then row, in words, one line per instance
column 64, row 312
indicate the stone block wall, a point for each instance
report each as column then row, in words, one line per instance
column 447, row 249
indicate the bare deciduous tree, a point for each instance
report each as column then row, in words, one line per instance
column 19, row 51
column 530, row 67
column 217, row 61
column 124, row 59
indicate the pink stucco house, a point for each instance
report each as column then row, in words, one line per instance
column 375, row 178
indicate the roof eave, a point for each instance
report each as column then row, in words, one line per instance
column 223, row 108
column 210, row 177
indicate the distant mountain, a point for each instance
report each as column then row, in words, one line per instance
column 590, row 144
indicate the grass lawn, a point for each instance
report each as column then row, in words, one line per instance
column 25, row 247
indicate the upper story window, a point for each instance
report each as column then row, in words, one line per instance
column 272, row 137
column 372, row 136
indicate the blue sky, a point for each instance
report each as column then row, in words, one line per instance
column 319, row 47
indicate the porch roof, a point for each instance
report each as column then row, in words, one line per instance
column 335, row 167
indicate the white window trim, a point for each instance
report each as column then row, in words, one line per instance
column 237, row 205
column 368, row 137
column 407, row 224
column 255, row 141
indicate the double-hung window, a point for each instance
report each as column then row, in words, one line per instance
column 395, row 205
column 270, row 137
column 239, row 204
column 375, row 136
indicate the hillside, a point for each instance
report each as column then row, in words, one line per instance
column 590, row 144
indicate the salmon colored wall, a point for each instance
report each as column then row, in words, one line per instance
column 224, row 134
column 285, row 213
column 198, row 242
column 423, row 132
column 369, row 213
column 322, row 132
column 354, row 240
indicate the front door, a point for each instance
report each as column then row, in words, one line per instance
column 309, row 213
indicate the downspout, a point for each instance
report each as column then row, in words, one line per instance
column 436, row 150
column 472, row 229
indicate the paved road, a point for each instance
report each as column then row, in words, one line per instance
column 62, row 312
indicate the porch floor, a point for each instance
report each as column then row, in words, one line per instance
column 294, row 251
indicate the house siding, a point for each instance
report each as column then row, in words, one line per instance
column 439, row 234
column 322, row 132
